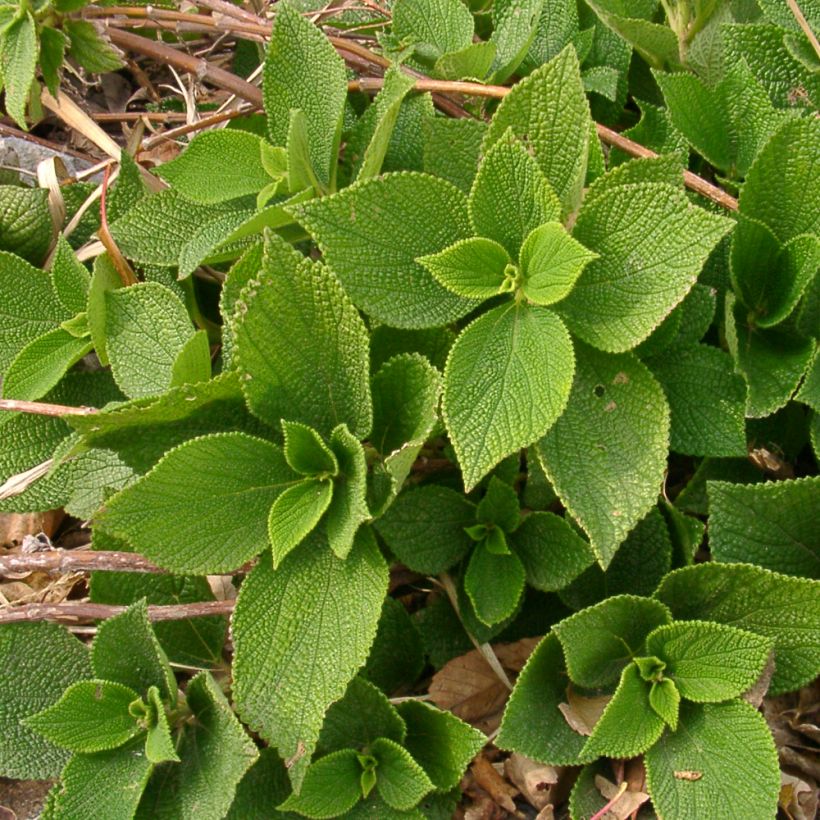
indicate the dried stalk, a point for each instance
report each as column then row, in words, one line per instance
column 71, row 612
column 39, row 408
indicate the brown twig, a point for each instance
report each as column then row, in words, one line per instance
column 124, row 270
column 71, row 612
column 39, row 408
column 804, row 25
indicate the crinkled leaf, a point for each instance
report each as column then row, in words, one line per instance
column 296, row 512
column 494, row 582
column 70, row 277
column 348, row 507
column 305, row 452
column 330, row 787
column 90, row 48
column 472, row 61
column 515, row 23
column 159, row 745
column 400, row 781
column 397, row 656
column 25, row 224
column 436, row 26
column 19, row 49
column 474, row 268
column 452, row 148
column 664, row 699
column 499, row 507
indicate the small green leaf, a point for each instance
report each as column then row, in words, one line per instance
column 495, row 583
column 435, row 26
column 91, row 716
column 548, row 111
column 601, row 640
column 551, row 262
column 38, row 662
column 217, row 166
column 25, row 224
column 515, row 23
column 776, row 606
column 330, row 788
column 235, row 478
column 475, row 268
column 301, row 175
column 664, row 699
column 103, row 279
column 302, row 347
column 629, row 725
column 126, row 650
column 400, row 781
column 441, row 743
column 348, row 507
column 397, row 656
column 193, row 362
column 295, row 513
column 507, row 380
column 53, row 44
column 721, row 755
column 452, row 148
column 159, row 746
column 472, row 61
column 772, row 525
column 70, row 278
column 606, row 455
column 292, row 661
column 499, row 506
column 89, row 48
column 424, row 528
column 19, row 49
column 710, row 662
column 510, row 196
column 305, row 452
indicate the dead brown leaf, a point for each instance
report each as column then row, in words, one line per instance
column 798, row 799
column 534, row 780
column 582, row 713
column 629, row 801
column 487, row 777
column 16, row 526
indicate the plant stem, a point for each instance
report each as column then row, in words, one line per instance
column 39, row 408
column 70, row 612
column 804, row 24
column 77, row 560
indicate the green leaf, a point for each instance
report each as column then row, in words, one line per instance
column 452, row 148
column 295, row 513
column 146, row 328
column 435, row 26
column 495, row 583
column 330, row 788
column 52, row 54
column 217, row 166
column 781, row 189
column 103, row 279
column 25, row 223
column 42, row 363
column 691, row 378
column 553, row 555
column 129, row 189
column 29, row 307
column 772, row 525
column 629, row 725
column 400, row 781
column 359, row 718
column 651, row 243
column 70, row 278
column 303, row 71
column 204, row 507
column 301, row 175
column 19, row 49
column 548, row 112
column 441, row 743
column 710, row 662
column 772, row 360
column 348, row 507
column 305, row 452
column 371, row 235
column 159, row 746
column 507, row 380
column 91, row 716
column 125, row 650
column 89, row 48
column 540, row 688
column 510, row 196
column 551, row 262
column 215, row 752
column 38, row 661
column 424, row 528
column 729, row 751
column 472, row 61
column 809, row 392
column 606, row 455
column 601, row 640
column 264, row 786
column 664, row 699
column 302, row 348
column 397, row 656
column 776, row 606
column 104, row 784
column 499, row 507
column 515, row 23
column 475, row 268
column 293, row 661
column 193, row 362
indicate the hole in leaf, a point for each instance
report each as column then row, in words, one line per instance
column 598, row 390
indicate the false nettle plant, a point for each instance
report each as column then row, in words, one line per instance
column 327, row 311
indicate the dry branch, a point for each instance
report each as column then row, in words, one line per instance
column 71, row 612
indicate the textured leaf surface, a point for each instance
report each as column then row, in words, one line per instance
column 599, row 641
column 540, row 688
column 664, row 699
column 438, row 26
column 511, row 196
column 293, row 661
column 495, row 583
column 91, row 716
column 400, row 781
column 709, row 662
column 70, row 277
column 146, row 327
column 474, row 268
column 397, row 656
column 18, row 61
column 235, row 477
column 706, row 399
column 348, row 507
column 371, row 235
column 28, row 306
column 747, row 597
column 424, row 528
column 451, row 149
column 303, row 72
column 330, row 788
column 606, row 455
column 507, row 380
column 441, row 743
column 25, row 223
column 38, row 661
column 302, row 347
column 515, row 23
column 306, row 452
column 629, row 725
column 294, row 513
column 730, row 749
column 548, row 112
column 773, row 525
column 651, row 243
